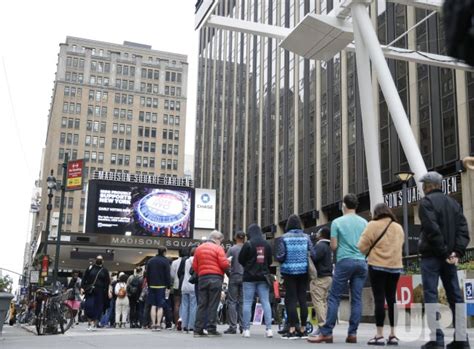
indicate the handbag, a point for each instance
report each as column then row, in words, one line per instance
column 89, row 289
column 193, row 278
column 378, row 239
column 312, row 272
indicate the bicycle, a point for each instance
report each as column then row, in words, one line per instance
column 52, row 315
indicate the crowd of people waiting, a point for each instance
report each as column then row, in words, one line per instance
column 188, row 291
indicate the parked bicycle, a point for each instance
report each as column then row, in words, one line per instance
column 52, row 314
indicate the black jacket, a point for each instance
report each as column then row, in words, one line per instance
column 255, row 255
column 103, row 279
column 443, row 226
column 158, row 272
column 321, row 255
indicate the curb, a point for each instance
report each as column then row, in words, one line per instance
column 28, row 328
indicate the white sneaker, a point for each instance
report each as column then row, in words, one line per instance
column 269, row 333
column 89, row 327
column 246, row 334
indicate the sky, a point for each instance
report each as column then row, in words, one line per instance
column 30, row 34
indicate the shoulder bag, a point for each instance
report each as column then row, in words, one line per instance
column 90, row 288
column 378, row 239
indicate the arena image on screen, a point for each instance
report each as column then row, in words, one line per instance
column 139, row 209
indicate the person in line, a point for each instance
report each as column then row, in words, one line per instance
column 351, row 268
column 382, row 243
column 134, row 289
column 188, row 307
column 175, row 294
column 321, row 255
column 292, row 253
column 75, row 301
column 210, row 264
column 157, row 274
column 95, row 285
column 122, row 304
column 444, row 237
column 256, row 258
column 235, row 293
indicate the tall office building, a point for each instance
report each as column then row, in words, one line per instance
column 278, row 134
column 121, row 108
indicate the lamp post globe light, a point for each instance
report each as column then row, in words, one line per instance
column 51, row 183
column 405, row 177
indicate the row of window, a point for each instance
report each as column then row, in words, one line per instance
column 173, row 91
column 72, row 154
column 75, row 62
column 145, row 161
column 171, row 119
column 122, row 144
column 94, row 156
column 96, row 126
column 95, row 141
column 100, row 67
column 170, row 149
column 123, row 98
column 99, row 80
column 74, row 77
column 149, row 88
column 150, row 74
column 70, row 123
column 122, row 128
column 98, row 96
column 71, row 108
column 149, row 102
column 125, row 70
column 96, row 111
column 169, row 164
column 171, row 134
column 123, row 113
column 70, row 91
column 172, row 105
column 125, row 84
column 147, row 131
column 146, row 146
column 173, row 76
column 148, row 116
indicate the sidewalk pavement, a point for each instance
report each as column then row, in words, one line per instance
column 78, row 337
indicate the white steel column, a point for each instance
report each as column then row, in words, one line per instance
column 371, row 136
column 361, row 20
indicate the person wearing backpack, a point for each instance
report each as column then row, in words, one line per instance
column 134, row 289
column 256, row 258
column 121, row 304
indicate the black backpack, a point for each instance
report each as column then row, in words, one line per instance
column 134, row 287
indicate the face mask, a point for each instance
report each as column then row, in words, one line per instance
column 99, row 261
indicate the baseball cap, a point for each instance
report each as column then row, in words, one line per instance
column 432, row 177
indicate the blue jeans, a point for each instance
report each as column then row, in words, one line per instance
column 263, row 291
column 109, row 316
column 433, row 268
column 187, row 310
column 354, row 272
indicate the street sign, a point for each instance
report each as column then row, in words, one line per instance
column 23, row 291
column 74, row 175
column 469, row 296
column 34, row 276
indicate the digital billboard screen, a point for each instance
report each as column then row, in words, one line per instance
column 139, row 209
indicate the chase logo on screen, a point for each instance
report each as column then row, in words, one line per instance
column 205, row 198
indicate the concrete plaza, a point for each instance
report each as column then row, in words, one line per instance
column 78, row 337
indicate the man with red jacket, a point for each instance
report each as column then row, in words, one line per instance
column 210, row 264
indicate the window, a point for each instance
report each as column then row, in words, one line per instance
column 147, row 116
column 129, row 114
column 69, row 138
column 176, row 135
column 69, row 218
column 139, row 146
column 171, row 121
column 61, row 153
column 83, row 203
column 128, row 129
column 146, row 146
column 170, row 134
column 66, row 91
column 120, row 144
column 120, row 159
column 126, row 160
column 152, row 147
column 103, row 127
column 86, row 156
column 165, row 133
column 122, row 128
column 113, row 159
column 140, row 131
column 114, row 143
column 152, row 162
column 167, row 90
column 63, row 122
column 170, row 149
column 116, row 112
column 101, row 142
column 77, row 123
column 115, row 128
column 70, row 202
column 88, row 140
column 101, row 158
column 163, row 149
column 175, row 165
column 163, row 164
column 155, row 102
column 178, row 77
column 70, row 123
column 145, row 161
column 178, row 105
column 94, row 156
column 65, row 107
column 141, row 116
column 75, row 140
column 176, row 120
column 62, row 138
column 147, row 132
column 127, row 144
column 81, row 219
column 175, row 151
column 154, row 117
column 167, row 76
column 156, row 75
column 168, row 164
column 139, row 161
column 167, row 104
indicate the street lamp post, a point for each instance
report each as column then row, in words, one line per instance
column 404, row 177
column 51, row 182
column 60, row 223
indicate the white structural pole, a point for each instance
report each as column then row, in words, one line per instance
column 395, row 106
column 371, row 137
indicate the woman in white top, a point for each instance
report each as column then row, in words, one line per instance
column 121, row 304
column 187, row 310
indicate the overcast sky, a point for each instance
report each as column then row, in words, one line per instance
column 30, row 34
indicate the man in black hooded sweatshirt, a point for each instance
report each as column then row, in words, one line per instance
column 256, row 258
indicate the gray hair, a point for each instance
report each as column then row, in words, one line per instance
column 216, row 235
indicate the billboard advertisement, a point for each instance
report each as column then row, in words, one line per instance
column 74, row 175
column 205, row 209
column 139, row 209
